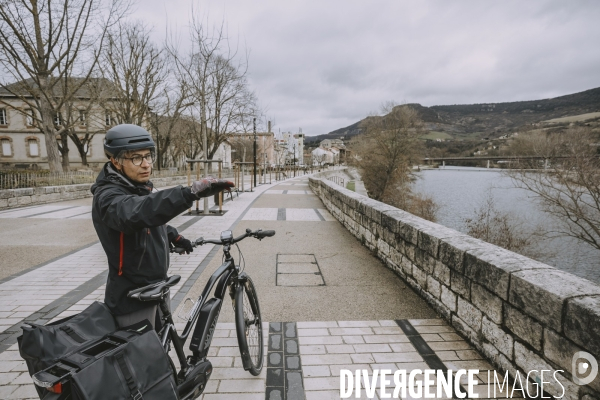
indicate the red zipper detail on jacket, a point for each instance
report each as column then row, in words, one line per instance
column 121, row 254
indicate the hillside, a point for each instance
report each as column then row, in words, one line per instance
column 491, row 119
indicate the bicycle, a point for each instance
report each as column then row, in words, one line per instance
column 195, row 370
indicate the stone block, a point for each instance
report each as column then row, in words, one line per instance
column 460, row 284
column 524, row 327
column 491, row 266
column 433, row 287
column 469, row 313
column 420, row 276
column 560, row 350
column 5, row 194
column 379, row 209
column 3, row 203
column 407, row 232
column 448, row 297
column 425, row 261
column 441, row 273
column 582, row 323
column 24, row 200
column 527, row 361
column 437, row 305
column 486, row 301
column 494, row 334
column 408, row 250
column 463, row 328
column 542, row 293
column 51, row 189
column 383, row 247
column 428, row 243
column 23, row 192
column 407, row 266
column 391, row 219
column 395, row 256
column 13, row 201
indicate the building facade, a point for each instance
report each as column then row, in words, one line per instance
column 24, row 146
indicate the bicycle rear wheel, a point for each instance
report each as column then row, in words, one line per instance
column 248, row 323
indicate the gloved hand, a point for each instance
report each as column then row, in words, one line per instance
column 183, row 243
column 207, row 187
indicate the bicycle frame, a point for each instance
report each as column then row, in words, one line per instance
column 204, row 327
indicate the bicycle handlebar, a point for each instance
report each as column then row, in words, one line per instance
column 258, row 234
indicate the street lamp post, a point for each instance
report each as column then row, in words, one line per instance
column 254, row 123
column 157, row 139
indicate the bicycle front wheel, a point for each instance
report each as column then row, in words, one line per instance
column 248, row 323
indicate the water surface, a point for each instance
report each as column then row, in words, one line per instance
column 460, row 191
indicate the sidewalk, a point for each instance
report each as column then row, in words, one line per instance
column 326, row 303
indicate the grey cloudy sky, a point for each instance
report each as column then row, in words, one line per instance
column 322, row 65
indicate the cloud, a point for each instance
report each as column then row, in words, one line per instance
column 322, row 65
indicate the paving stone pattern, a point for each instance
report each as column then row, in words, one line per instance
column 298, row 270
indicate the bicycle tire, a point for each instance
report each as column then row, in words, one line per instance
column 248, row 324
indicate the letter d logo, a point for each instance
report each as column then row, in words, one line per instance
column 584, row 368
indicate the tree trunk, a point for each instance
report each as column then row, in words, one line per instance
column 64, row 150
column 47, row 128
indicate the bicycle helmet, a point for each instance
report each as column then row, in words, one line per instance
column 126, row 137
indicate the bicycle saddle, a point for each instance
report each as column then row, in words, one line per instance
column 154, row 291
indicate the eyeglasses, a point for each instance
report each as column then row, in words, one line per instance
column 138, row 159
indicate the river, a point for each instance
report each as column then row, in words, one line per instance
column 460, row 191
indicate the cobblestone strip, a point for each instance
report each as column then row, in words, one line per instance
column 284, row 369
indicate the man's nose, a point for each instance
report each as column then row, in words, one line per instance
column 145, row 163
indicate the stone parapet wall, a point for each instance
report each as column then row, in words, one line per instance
column 521, row 314
column 12, row 198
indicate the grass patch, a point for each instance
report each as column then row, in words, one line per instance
column 351, row 186
column 432, row 135
column 575, row 118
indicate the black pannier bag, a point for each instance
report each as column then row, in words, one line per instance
column 42, row 345
column 138, row 369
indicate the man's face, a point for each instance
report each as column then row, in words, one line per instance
column 137, row 173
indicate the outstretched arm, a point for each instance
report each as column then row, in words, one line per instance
column 128, row 213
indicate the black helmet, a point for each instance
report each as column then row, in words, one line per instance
column 126, row 137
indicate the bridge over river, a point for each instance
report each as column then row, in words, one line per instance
column 346, row 283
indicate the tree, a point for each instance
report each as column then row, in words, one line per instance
column 385, row 154
column 503, row 229
column 223, row 103
column 44, row 46
column 137, row 70
column 569, row 187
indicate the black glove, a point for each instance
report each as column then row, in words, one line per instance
column 183, row 243
column 207, row 187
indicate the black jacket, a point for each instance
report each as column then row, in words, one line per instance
column 130, row 220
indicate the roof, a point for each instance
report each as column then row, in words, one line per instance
column 28, row 86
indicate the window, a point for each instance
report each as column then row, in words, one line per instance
column 82, row 117
column 108, row 117
column 29, row 117
column 6, row 148
column 3, row 120
column 34, row 148
column 58, row 119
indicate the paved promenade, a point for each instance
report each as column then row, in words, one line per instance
column 327, row 303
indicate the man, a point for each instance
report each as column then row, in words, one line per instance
column 130, row 218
